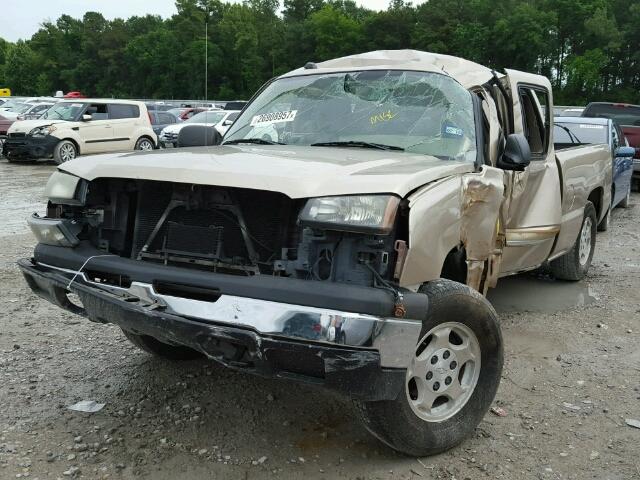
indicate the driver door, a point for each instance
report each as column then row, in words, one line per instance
column 533, row 197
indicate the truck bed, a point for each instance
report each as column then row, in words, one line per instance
column 584, row 170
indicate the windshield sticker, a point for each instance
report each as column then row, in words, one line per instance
column 451, row 131
column 76, row 105
column 595, row 127
column 382, row 117
column 274, row 117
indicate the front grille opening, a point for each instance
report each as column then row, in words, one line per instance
column 218, row 229
column 105, row 278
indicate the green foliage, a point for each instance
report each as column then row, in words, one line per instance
column 588, row 48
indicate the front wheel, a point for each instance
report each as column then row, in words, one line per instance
column 575, row 264
column 452, row 379
column 65, row 151
column 144, row 144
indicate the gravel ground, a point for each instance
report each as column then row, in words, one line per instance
column 571, row 379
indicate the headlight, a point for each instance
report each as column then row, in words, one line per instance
column 66, row 189
column 356, row 213
column 56, row 232
column 42, row 131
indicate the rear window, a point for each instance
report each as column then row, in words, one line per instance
column 621, row 114
column 119, row 110
column 579, row 133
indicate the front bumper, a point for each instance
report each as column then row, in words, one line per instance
column 29, row 147
column 358, row 354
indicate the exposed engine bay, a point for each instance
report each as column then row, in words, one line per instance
column 230, row 230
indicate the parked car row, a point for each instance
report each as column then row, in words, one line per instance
column 43, row 129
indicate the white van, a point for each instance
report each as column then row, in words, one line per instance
column 80, row 127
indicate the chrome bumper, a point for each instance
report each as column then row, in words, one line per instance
column 394, row 339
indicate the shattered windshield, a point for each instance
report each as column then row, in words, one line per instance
column 419, row 112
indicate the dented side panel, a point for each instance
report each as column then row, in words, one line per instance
column 458, row 211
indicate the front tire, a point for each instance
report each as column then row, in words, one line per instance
column 161, row 349
column 452, row 379
column 145, row 144
column 575, row 264
column 65, row 151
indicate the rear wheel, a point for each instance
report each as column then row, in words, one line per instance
column 575, row 264
column 64, row 152
column 161, row 349
column 453, row 376
column 144, row 144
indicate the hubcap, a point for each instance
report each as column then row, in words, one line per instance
column 67, row 152
column 585, row 241
column 145, row 145
column 444, row 372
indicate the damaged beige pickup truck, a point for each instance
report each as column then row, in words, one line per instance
column 343, row 234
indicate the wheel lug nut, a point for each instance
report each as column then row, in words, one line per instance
column 453, row 365
column 434, row 360
column 446, row 354
column 429, row 375
column 447, row 381
column 436, row 386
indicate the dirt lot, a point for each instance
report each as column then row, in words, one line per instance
column 571, row 378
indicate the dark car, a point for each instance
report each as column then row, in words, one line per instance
column 5, row 123
column 626, row 116
column 576, row 131
column 159, row 120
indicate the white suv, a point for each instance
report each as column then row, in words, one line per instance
column 79, row 127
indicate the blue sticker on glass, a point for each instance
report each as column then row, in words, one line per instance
column 451, row 131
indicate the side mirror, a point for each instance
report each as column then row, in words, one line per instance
column 516, row 155
column 625, row 152
column 86, row 117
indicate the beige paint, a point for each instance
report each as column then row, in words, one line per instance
column 296, row 171
column 460, row 210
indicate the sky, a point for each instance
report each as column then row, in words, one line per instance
column 22, row 18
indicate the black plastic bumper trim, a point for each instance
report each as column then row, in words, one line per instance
column 330, row 295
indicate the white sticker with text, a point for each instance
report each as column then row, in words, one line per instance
column 274, row 117
column 595, row 127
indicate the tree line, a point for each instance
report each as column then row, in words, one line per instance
column 590, row 49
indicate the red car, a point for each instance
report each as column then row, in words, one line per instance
column 74, row 95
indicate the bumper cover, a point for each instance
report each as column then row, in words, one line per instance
column 359, row 354
column 29, row 147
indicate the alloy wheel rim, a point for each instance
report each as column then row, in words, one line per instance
column 444, row 372
column 67, row 152
column 145, row 145
column 585, row 241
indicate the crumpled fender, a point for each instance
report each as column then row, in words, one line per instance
column 457, row 211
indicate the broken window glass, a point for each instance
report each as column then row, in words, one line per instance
column 419, row 112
